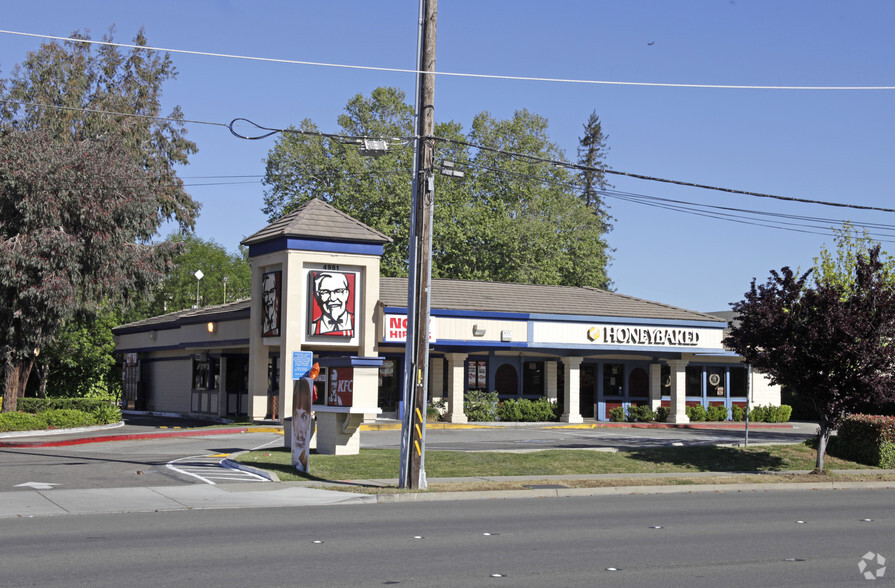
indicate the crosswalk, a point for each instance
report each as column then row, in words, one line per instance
column 209, row 469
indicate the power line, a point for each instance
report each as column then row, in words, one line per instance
column 268, row 131
column 575, row 166
column 449, row 74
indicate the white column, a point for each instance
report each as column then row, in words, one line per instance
column 550, row 375
column 655, row 385
column 571, row 390
column 455, row 413
column 678, row 391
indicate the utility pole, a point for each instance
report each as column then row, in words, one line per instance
column 416, row 358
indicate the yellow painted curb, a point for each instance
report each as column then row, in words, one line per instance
column 264, row 430
column 397, row 426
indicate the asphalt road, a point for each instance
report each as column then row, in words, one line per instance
column 729, row 539
column 139, row 463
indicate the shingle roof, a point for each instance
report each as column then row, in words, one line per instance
column 190, row 315
column 318, row 220
column 532, row 299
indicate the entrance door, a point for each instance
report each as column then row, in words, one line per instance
column 587, row 383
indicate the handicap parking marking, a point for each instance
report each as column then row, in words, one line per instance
column 208, row 468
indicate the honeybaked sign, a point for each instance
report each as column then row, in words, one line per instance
column 653, row 336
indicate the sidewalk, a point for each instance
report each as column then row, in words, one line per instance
column 53, row 502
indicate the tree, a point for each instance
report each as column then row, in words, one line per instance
column 592, row 151
column 838, row 267
column 74, row 219
column 62, row 89
column 80, row 360
column 830, row 342
column 178, row 290
column 509, row 219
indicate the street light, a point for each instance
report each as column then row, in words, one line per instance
column 226, row 279
column 199, row 275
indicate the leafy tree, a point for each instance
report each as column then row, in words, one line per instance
column 80, row 360
column 830, row 342
column 73, row 221
column 62, row 88
column 71, row 244
column 838, row 267
column 178, row 290
column 509, row 219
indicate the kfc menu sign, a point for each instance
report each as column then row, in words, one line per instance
column 396, row 328
column 341, row 387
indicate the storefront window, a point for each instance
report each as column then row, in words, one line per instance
column 613, row 379
column 715, row 381
column 694, row 380
column 638, row 383
column 506, row 380
column 206, row 374
column 477, row 374
column 738, row 381
column 533, row 379
column 388, row 385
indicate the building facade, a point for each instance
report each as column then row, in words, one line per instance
column 316, row 288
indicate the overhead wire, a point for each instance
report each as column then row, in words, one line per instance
column 348, row 139
column 445, row 73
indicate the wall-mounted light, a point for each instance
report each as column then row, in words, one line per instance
column 477, row 332
column 212, row 327
column 153, row 335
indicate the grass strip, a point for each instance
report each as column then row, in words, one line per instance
column 384, row 463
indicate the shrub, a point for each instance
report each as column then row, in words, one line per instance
column 717, row 413
column 867, row 439
column 738, row 413
column 758, row 414
column 21, row 421
column 41, row 404
column 480, row 406
column 662, row 414
column 640, row 414
column 617, row 414
column 541, row 410
column 523, row 410
column 697, row 413
column 66, row 418
column 509, row 411
column 783, row 413
column 105, row 414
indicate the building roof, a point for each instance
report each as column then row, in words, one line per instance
column 317, row 220
column 534, row 299
column 470, row 296
column 231, row 310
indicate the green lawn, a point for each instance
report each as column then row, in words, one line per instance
column 384, row 463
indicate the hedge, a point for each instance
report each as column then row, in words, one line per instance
column 42, row 404
column 867, row 439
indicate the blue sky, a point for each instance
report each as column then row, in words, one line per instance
column 819, row 145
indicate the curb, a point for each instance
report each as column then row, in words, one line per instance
column 136, row 436
column 626, row 490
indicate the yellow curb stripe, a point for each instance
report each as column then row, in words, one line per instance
column 264, row 430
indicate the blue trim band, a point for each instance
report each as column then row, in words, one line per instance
column 293, row 243
column 350, row 361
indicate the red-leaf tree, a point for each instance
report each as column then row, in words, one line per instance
column 75, row 220
column 831, row 343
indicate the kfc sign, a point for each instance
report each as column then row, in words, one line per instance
column 396, row 328
column 341, row 387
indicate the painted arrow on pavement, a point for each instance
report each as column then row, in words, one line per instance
column 37, row 485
